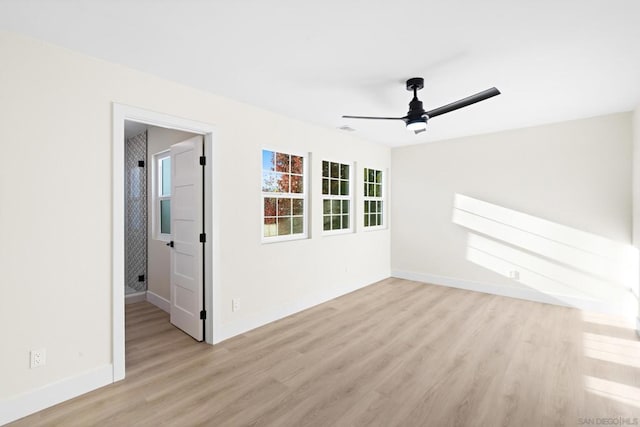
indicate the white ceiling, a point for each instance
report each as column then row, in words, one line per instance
column 553, row 60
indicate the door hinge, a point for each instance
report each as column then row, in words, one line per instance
column 203, row 160
column 203, row 237
column 140, row 163
column 203, row 314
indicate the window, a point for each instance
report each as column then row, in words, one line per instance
column 336, row 196
column 373, row 198
column 162, row 195
column 284, row 199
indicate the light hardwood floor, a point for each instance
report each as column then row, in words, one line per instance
column 396, row 353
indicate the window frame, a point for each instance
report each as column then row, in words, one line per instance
column 304, row 196
column 382, row 199
column 350, row 198
column 157, row 198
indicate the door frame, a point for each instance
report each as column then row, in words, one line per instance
column 122, row 112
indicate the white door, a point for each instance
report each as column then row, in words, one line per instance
column 186, row 226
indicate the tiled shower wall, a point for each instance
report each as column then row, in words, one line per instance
column 136, row 214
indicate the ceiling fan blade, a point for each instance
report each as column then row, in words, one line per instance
column 373, row 118
column 464, row 102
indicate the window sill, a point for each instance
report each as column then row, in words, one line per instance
column 278, row 239
column 375, row 228
column 337, row 232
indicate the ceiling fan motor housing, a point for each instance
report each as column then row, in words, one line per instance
column 416, row 111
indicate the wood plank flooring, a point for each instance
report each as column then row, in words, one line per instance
column 396, row 353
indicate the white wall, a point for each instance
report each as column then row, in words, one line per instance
column 158, row 140
column 55, row 188
column 550, row 202
column 636, row 185
column 636, row 176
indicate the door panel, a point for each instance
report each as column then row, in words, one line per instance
column 186, row 226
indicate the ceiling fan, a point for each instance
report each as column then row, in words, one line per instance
column 416, row 118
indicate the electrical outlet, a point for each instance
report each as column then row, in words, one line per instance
column 38, row 357
column 514, row 274
column 235, row 305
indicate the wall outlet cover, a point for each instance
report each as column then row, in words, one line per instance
column 38, row 358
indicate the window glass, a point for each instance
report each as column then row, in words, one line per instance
column 283, row 195
column 161, row 204
column 373, row 198
column 165, row 216
column 165, row 176
column 336, row 196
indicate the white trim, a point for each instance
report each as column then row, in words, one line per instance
column 160, row 302
column 120, row 113
column 117, row 239
column 283, row 238
column 135, row 297
column 263, row 318
column 512, row 292
column 213, row 288
column 36, row 400
column 336, row 232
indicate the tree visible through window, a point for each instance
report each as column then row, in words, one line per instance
column 336, row 200
column 283, row 195
column 373, row 198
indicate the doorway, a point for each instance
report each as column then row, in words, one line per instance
column 200, row 153
column 164, row 221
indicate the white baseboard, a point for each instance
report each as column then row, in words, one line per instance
column 253, row 322
column 520, row 292
column 20, row 406
column 158, row 301
column 135, row 297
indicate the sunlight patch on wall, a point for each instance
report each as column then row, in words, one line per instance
column 544, row 275
column 551, row 258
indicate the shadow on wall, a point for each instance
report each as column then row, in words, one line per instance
column 566, row 264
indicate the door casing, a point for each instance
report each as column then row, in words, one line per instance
column 122, row 112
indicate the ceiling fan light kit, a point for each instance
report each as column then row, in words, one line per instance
column 418, row 125
column 416, row 119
